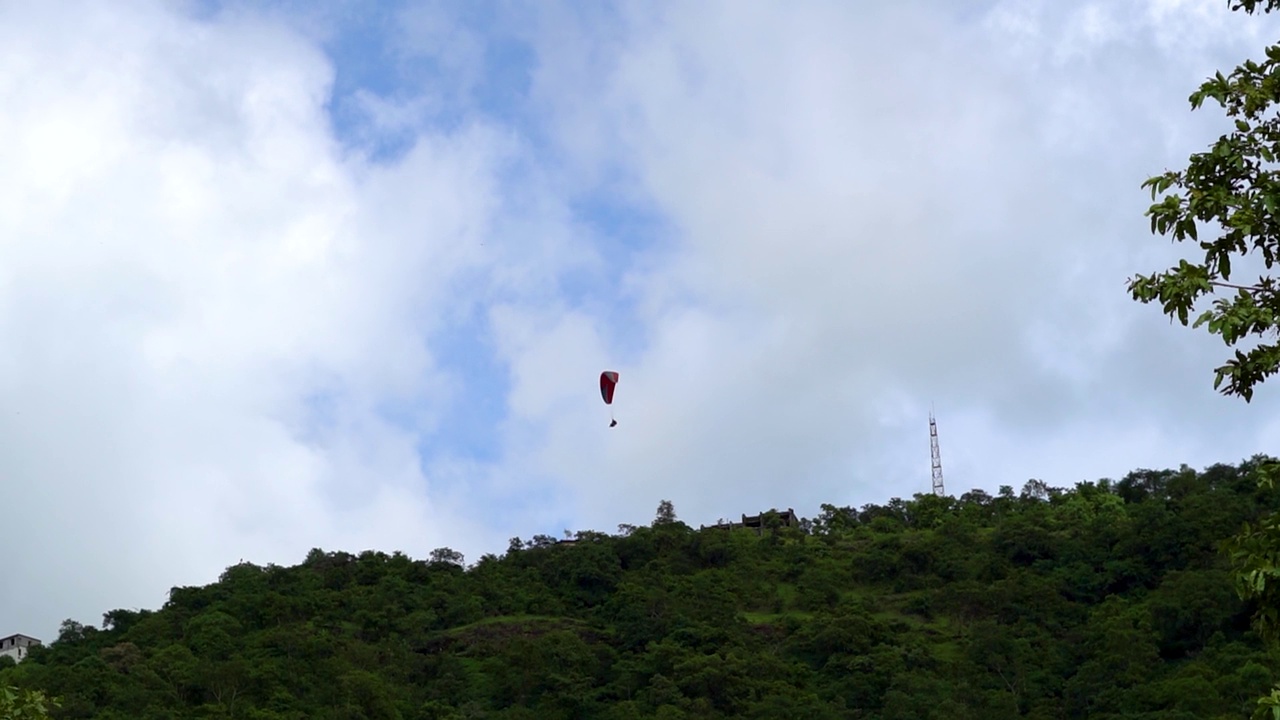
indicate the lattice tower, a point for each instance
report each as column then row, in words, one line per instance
column 937, row 456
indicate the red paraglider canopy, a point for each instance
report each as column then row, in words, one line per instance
column 608, row 380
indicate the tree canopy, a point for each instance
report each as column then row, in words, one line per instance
column 1111, row 599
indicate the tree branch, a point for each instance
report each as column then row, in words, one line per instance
column 1251, row 288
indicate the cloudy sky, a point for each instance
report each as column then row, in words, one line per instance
column 344, row 274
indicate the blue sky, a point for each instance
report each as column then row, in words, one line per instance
column 345, row 274
column 374, row 52
column 371, row 54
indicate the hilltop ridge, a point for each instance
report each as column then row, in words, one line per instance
column 1106, row 600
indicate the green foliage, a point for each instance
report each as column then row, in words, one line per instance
column 24, row 704
column 1107, row 600
column 1234, row 186
column 665, row 515
column 1250, row 6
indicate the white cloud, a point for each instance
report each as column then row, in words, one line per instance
column 876, row 209
column 190, row 259
column 219, row 319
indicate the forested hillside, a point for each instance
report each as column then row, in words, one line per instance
column 1107, row 600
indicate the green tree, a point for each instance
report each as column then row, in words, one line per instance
column 447, row 555
column 1103, row 600
column 1255, row 557
column 666, row 513
column 1234, row 186
column 23, row 704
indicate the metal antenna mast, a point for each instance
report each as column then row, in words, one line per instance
column 937, row 456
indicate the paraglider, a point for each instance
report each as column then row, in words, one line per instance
column 608, row 381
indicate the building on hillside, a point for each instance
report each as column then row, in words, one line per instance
column 757, row 522
column 17, row 646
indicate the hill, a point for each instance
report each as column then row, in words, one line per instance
column 1106, row 600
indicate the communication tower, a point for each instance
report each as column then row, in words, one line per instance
column 937, row 456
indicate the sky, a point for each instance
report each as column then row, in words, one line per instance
column 287, row 275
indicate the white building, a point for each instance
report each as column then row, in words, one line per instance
column 15, row 646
